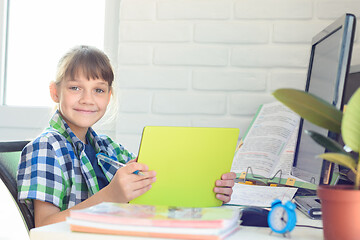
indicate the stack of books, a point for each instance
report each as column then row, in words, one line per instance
column 156, row 221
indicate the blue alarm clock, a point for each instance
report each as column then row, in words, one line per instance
column 282, row 217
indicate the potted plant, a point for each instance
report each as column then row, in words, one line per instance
column 340, row 203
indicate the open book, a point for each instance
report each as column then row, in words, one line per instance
column 267, row 151
column 156, row 221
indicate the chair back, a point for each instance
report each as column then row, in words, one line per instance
column 9, row 160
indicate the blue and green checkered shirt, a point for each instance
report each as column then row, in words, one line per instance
column 54, row 167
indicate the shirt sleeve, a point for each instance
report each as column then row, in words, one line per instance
column 40, row 176
column 122, row 154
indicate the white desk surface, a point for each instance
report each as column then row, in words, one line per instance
column 61, row 231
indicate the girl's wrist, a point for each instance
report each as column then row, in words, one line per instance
column 108, row 194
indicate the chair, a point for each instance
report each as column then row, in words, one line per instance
column 9, row 160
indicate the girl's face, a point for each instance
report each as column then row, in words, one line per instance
column 82, row 102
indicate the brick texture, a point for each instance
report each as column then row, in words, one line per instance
column 211, row 63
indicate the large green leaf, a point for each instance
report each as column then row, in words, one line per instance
column 311, row 108
column 350, row 127
column 328, row 143
column 341, row 159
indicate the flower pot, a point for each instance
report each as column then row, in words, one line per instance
column 340, row 207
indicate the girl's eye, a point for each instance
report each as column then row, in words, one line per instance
column 99, row 90
column 74, row 88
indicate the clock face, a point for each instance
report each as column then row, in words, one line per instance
column 279, row 218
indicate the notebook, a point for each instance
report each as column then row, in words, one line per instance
column 188, row 161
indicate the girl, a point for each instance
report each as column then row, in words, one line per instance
column 59, row 171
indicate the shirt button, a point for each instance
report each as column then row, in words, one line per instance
column 80, row 146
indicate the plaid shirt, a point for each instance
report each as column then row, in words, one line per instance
column 54, row 167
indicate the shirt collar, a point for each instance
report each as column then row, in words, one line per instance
column 58, row 123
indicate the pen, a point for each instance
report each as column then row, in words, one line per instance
column 103, row 157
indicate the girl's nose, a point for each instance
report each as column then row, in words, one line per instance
column 86, row 97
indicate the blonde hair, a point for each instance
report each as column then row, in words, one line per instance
column 89, row 61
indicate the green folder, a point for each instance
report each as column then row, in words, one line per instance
column 188, row 161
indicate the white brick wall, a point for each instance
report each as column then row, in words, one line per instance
column 232, row 32
column 212, row 62
column 270, row 56
column 192, row 10
column 191, row 55
column 274, row 9
column 329, row 9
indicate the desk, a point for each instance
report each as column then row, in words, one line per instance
column 61, row 231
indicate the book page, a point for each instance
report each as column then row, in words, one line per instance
column 286, row 159
column 266, row 140
column 261, row 196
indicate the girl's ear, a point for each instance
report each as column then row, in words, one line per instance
column 110, row 91
column 53, row 92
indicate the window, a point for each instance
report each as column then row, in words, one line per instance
column 38, row 33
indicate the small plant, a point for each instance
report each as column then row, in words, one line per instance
column 325, row 115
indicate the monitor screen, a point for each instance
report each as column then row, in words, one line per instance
column 327, row 73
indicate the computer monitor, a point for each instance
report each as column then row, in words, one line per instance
column 327, row 73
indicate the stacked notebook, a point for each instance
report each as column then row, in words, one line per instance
column 156, row 221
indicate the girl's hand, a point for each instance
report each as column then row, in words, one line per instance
column 224, row 186
column 126, row 185
column 132, row 160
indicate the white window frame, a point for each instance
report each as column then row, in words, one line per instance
column 3, row 32
column 7, row 113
